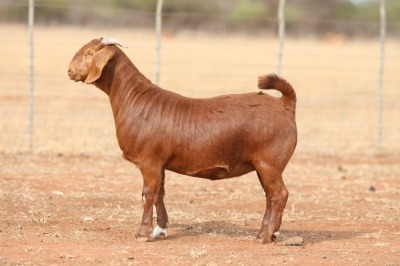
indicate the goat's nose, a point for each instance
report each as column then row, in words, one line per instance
column 71, row 72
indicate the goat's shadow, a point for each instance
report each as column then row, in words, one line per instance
column 222, row 228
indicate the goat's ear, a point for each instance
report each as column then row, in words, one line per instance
column 99, row 61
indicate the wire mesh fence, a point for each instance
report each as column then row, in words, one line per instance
column 336, row 79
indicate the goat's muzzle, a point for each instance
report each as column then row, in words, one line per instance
column 73, row 74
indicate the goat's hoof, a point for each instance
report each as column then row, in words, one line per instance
column 159, row 233
column 142, row 239
column 269, row 240
column 261, row 235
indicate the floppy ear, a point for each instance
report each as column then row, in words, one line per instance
column 99, row 61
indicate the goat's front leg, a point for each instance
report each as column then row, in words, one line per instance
column 162, row 216
column 151, row 184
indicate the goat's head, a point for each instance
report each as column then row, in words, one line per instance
column 88, row 63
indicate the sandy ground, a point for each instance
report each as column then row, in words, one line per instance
column 84, row 210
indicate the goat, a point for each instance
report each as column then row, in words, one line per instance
column 213, row 138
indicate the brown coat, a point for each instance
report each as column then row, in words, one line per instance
column 214, row 138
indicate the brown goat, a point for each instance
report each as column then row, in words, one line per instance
column 215, row 138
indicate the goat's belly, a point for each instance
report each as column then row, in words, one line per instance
column 218, row 172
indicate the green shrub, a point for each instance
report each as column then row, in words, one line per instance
column 248, row 10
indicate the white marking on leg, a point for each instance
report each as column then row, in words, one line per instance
column 158, row 231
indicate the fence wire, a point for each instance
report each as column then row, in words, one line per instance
column 335, row 78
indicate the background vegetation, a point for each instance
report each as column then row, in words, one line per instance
column 302, row 16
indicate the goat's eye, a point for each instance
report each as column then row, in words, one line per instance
column 89, row 54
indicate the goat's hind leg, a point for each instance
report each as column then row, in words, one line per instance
column 276, row 197
column 263, row 231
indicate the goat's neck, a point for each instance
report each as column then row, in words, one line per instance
column 128, row 82
column 129, row 92
column 125, row 86
column 119, row 76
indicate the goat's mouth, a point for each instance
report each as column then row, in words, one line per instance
column 75, row 76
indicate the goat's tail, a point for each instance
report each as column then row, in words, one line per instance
column 273, row 81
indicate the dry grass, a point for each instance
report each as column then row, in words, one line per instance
column 336, row 85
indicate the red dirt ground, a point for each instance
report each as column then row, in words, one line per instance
column 84, row 210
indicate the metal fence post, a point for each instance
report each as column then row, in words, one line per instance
column 158, row 33
column 31, row 18
column 281, row 34
column 381, row 71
